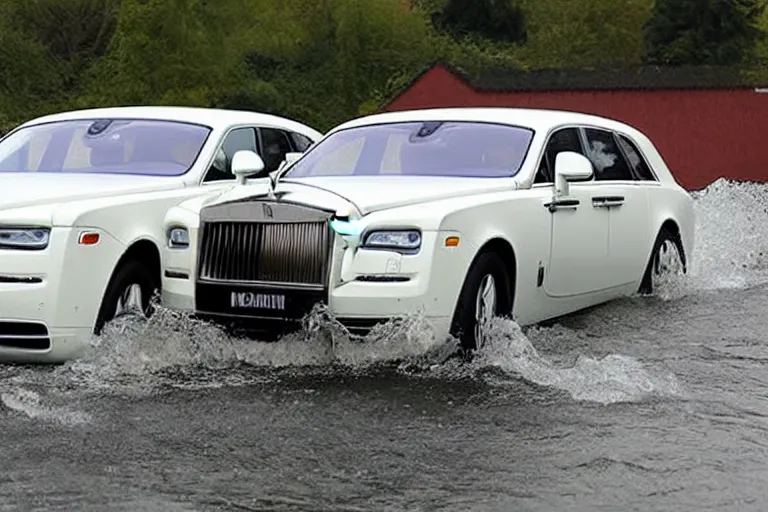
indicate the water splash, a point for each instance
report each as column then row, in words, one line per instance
column 138, row 355
column 731, row 245
column 731, row 236
column 171, row 350
column 32, row 404
column 614, row 378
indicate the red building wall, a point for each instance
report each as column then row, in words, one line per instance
column 702, row 134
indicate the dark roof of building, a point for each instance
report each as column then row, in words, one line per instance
column 646, row 77
column 638, row 78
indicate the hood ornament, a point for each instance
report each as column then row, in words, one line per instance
column 272, row 183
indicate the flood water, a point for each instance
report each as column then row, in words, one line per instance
column 656, row 403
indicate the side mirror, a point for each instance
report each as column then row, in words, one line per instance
column 246, row 163
column 570, row 166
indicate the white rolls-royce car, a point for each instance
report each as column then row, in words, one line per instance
column 462, row 214
column 82, row 200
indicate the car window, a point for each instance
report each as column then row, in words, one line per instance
column 341, row 159
column 104, row 146
column 566, row 139
column 276, row 145
column 470, row 149
column 606, row 157
column 638, row 163
column 237, row 140
column 300, row 142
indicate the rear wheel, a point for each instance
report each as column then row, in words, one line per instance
column 129, row 291
column 667, row 261
column 484, row 295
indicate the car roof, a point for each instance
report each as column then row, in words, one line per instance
column 537, row 119
column 213, row 117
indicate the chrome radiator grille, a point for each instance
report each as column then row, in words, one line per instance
column 295, row 252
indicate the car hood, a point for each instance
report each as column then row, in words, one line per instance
column 21, row 190
column 366, row 194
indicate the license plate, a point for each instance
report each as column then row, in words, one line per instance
column 254, row 300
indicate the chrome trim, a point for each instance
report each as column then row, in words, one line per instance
column 259, row 210
column 4, row 278
column 267, row 285
column 24, row 337
column 265, row 243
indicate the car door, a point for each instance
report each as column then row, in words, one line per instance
column 579, row 231
column 620, row 191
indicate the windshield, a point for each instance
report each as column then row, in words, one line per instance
column 111, row 146
column 452, row 148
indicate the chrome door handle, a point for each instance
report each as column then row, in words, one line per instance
column 562, row 204
column 607, row 201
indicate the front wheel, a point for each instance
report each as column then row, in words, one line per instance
column 484, row 295
column 129, row 291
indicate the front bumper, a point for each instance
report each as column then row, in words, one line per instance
column 56, row 345
column 28, row 329
column 49, row 299
column 370, row 287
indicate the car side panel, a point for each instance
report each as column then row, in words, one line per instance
column 579, row 246
column 630, row 234
column 126, row 220
column 520, row 219
column 85, row 271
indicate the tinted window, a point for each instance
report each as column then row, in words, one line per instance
column 276, row 145
column 566, row 139
column 638, row 163
column 300, row 142
column 108, row 146
column 453, row 148
column 236, row 140
column 607, row 159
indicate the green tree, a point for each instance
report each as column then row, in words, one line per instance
column 712, row 32
column 29, row 78
column 761, row 50
column 498, row 20
column 170, row 52
column 45, row 47
column 585, row 33
column 75, row 31
column 343, row 54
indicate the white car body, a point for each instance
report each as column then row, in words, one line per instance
column 50, row 298
column 592, row 246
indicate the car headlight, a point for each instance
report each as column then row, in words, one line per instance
column 408, row 240
column 178, row 238
column 24, row 238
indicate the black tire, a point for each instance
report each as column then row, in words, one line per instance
column 463, row 325
column 665, row 235
column 129, row 273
